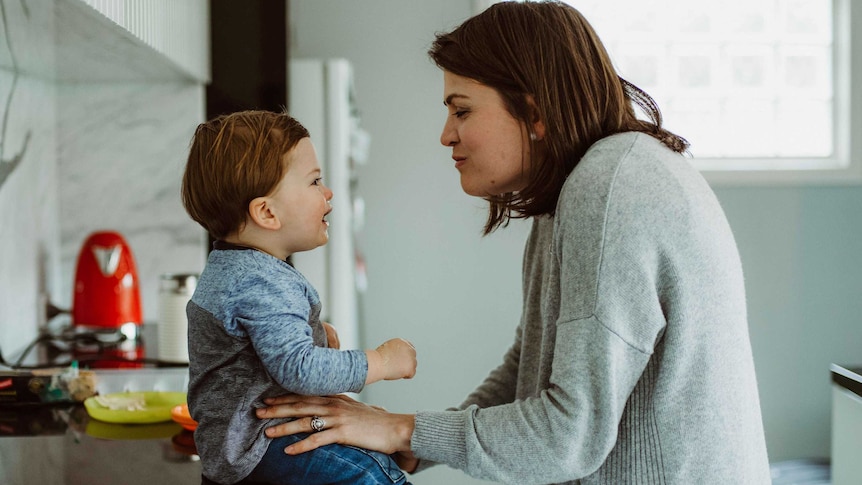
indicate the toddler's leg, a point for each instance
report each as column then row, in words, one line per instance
column 327, row 465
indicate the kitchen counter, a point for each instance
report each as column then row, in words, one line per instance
column 59, row 444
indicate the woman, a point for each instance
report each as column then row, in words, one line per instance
column 632, row 362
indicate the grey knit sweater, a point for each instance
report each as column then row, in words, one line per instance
column 632, row 362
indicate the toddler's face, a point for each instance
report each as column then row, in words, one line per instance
column 302, row 200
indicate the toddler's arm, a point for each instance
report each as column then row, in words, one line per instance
column 394, row 359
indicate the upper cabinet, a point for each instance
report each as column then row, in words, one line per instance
column 152, row 39
column 107, row 40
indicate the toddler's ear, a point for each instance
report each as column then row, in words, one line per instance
column 261, row 213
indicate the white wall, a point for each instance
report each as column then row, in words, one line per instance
column 432, row 278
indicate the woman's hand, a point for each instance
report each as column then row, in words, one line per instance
column 347, row 422
column 406, row 461
column 331, row 336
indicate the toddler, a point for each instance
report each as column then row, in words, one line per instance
column 254, row 183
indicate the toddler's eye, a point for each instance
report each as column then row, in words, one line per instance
column 317, row 181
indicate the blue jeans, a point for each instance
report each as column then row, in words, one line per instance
column 327, row 465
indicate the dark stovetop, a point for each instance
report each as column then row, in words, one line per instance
column 59, row 444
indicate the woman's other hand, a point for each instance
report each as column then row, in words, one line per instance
column 331, row 336
column 406, row 461
column 347, row 422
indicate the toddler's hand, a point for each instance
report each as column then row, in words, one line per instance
column 399, row 359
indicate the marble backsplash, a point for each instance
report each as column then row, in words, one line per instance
column 121, row 154
column 29, row 206
column 122, row 150
column 82, row 155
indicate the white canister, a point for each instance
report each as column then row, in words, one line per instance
column 175, row 291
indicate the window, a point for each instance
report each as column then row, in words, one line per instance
column 761, row 88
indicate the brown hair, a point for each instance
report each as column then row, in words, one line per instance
column 547, row 51
column 233, row 159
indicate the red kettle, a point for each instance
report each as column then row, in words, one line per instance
column 107, row 294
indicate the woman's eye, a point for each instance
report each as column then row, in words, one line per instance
column 460, row 113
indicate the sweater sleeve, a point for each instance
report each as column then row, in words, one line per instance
column 276, row 321
column 565, row 432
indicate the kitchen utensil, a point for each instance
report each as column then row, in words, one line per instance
column 175, row 291
column 106, row 294
column 181, row 415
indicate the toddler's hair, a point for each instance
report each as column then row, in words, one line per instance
column 233, row 159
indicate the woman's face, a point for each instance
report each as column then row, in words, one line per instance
column 489, row 146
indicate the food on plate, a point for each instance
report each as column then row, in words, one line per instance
column 132, row 401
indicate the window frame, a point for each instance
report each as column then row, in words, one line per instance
column 844, row 167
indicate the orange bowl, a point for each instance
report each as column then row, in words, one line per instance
column 181, row 415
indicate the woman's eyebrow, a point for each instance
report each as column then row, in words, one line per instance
column 453, row 96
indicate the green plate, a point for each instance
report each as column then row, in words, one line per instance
column 157, row 408
column 115, row 431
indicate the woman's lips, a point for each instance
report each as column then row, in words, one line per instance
column 459, row 161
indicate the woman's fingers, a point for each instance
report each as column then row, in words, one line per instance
column 299, row 399
column 302, row 425
column 340, row 419
column 406, row 461
column 305, row 409
column 294, row 399
column 295, row 406
column 314, row 441
column 291, row 427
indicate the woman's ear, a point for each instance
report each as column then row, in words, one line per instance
column 536, row 118
column 261, row 212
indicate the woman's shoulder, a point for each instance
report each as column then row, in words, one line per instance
column 614, row 150
column 626, row 167
column 636, row 152
column 594, row 173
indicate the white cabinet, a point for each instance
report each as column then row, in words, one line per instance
column 846, row 426
column 132, row 40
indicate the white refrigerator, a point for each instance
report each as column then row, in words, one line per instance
column 321, row 97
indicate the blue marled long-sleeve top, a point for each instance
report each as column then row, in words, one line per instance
column 255, row 332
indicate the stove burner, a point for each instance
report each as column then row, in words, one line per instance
column 103, row 349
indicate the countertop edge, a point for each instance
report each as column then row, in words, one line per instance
column 848, row 378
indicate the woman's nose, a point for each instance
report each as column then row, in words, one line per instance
column 449, row 136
